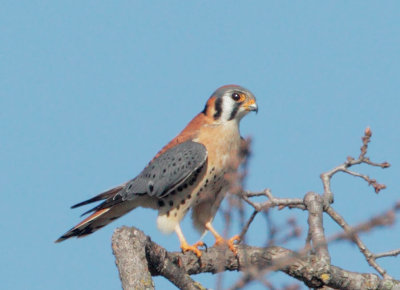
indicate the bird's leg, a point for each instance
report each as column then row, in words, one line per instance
column 184, row 245
column 220, row 240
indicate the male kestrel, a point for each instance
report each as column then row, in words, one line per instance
column 188, row 173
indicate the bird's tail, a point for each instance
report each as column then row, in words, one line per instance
column 103, row 214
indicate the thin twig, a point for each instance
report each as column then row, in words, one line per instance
column 246, row 227
column 327, row 176
column 364, row 250
column 392, row 253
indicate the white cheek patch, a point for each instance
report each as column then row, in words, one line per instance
column 227, row 106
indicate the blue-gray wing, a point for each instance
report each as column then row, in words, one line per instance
column 167, row 171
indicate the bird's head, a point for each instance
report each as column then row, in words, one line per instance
column 230, row 103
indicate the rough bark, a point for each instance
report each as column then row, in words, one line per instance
column 128, row 248
column 145, row 258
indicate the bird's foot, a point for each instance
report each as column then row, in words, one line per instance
column 230, row 243
column 192, row 248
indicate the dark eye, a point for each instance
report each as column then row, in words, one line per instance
column 235, row 97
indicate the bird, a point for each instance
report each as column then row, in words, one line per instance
column 187, row 173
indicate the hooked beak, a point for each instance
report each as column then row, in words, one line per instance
column 251, row 106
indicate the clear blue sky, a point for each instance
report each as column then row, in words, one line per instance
column 89, row 91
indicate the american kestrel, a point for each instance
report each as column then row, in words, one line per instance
column 188, row 173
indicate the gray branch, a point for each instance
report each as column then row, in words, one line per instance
column 128, row 248
column 314, row 203
column 138, row 258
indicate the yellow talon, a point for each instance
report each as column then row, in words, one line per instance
column 230, row 243
column 194, row 248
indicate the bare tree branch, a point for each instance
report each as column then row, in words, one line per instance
column 138, row 258
column 393, row 253
column 363, row 248
column 327, row 176
column 219, row 259
column 131, row 259
column 314, row 205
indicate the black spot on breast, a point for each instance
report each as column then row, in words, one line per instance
column 167, row 213
column 189, row 196
column 171, row 203
column 151, row 187
column 161, row 203
column 183, row 201
column 179, row 188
